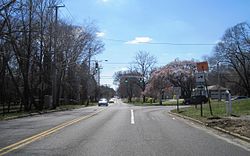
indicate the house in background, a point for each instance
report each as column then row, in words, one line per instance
column 214, row 91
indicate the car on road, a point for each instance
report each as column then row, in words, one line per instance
column 103, row 102
column 196, row 100
column 239, row 98
column 112, row 101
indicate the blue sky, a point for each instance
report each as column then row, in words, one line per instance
column 156, row 21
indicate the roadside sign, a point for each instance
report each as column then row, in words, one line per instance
column 200, row 87
column 42, row 86
column 202, row 66
column 200, row 77
column 177, row 91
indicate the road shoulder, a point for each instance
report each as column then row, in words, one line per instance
column 244, row 138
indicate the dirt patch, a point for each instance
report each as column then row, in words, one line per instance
column 238, row 126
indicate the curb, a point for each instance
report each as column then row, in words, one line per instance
column 232, row 133
column 34, row 114
column 215, row 127
column 186, row 117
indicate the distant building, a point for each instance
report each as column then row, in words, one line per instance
column 214, row 91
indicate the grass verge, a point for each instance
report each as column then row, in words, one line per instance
column 59, row 108
column 171, row 102
column 75, row 106
column 239, row 108
column 237, row 125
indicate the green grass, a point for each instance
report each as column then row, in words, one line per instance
column 8, row 115
column 144, row 104
column 68, row 107
column 74, row 106
column 172, row 102
column 219, row 109
column 164, row 103
column 61, row 107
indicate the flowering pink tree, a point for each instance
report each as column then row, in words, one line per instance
column 175, row 74
column 158, row 84
column 182, row 75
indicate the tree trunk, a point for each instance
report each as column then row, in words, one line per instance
column 161, row 95
column 160, row 101
column 26, row 94
column 2, row 82
column 143, row 89
column 143, row 98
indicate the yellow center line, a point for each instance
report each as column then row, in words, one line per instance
column 33, row 138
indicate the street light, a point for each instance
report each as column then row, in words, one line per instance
column 219, row 89
column 219, row 78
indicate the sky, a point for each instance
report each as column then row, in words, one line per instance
column 128, row 26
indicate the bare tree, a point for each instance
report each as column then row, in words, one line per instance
column 5, row 4
column 107, row 92
column 234, row 50
column 26, row 56
column 144, row 64
column 127, row 81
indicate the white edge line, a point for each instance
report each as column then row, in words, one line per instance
column 132, row 117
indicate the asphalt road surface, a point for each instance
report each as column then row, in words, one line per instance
column 117, row 130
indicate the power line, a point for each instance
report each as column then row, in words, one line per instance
column 115, row 63
column 128, row 63
column 153, row 43
column 163, row 43
column 104, row 78
column 73, row 18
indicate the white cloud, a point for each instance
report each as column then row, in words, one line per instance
column 100, row 34
column 124, row 69
column 104, row 1
column 138, row 40
column 219, row 41
column 190, row 54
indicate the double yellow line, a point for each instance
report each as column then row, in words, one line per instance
column 36, row 137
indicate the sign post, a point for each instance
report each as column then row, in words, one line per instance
column 228, row 103
column 177, row 92
column 200, row 78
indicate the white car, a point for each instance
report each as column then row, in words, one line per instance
column 112, row 101
column 103, row 102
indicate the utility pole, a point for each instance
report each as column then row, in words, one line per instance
column 89, row 60
column 97, row 71
column 99, row 76
column 88, row 80
column 219, row 89
column 26, row 83
column 54, row 66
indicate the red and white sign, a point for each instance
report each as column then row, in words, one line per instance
column 202, row 66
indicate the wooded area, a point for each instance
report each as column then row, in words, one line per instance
column 44, row 61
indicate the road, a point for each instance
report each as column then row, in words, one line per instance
column 117, row 130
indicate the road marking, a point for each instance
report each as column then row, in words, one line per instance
column 36, row 137
column 132, row 117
